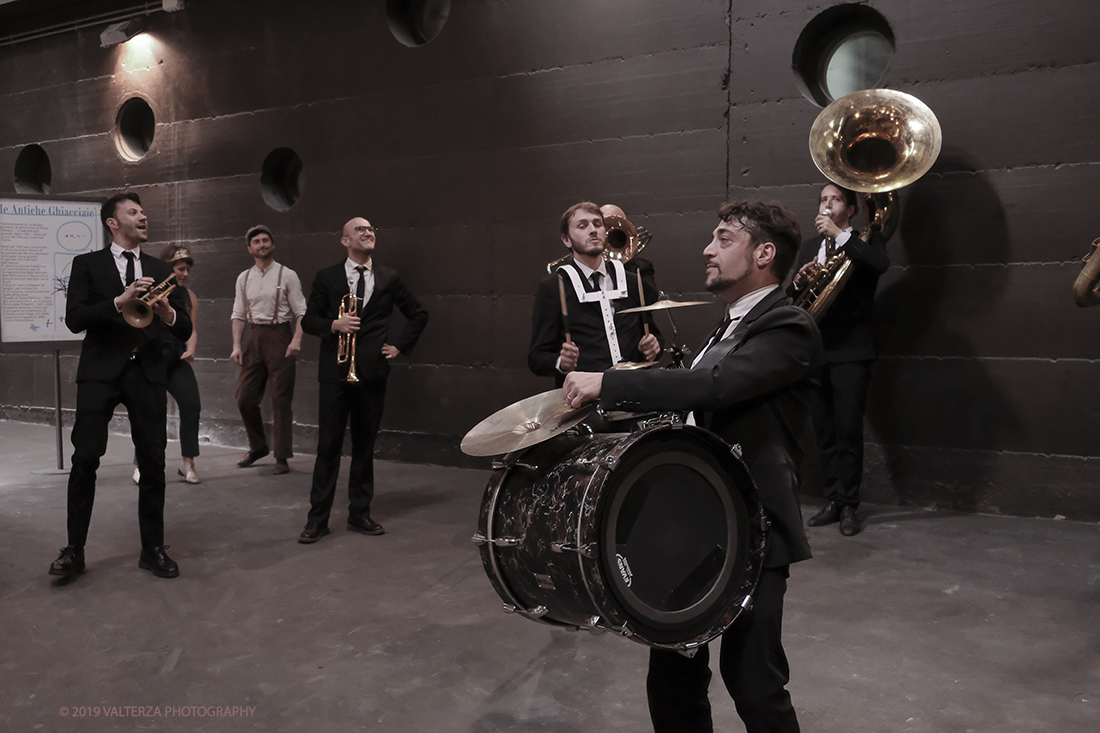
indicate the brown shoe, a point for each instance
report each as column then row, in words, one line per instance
column 281, row 467
column 252, row 456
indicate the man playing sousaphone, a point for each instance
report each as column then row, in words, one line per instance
column 349, row 308
column 847, row 331
column 576, row 322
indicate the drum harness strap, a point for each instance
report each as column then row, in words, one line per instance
column 604, row 298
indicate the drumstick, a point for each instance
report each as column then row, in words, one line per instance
column 641, row 298
column 564, row 310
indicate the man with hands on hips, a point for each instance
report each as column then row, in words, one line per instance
column 377, row 290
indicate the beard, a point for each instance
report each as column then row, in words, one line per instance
column 588, row 246
column 717, row 284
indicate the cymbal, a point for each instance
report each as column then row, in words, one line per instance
column 523, row 424
column 661, row 305
column 629, row 366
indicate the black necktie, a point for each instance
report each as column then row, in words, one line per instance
column 361, row 286
column 830, row 248
column 595, row 281
column 129, row 267
column 720, row 331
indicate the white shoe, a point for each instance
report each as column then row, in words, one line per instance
column 187, row 470
column 137, row 475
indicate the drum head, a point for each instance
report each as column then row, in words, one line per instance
column 677, row 535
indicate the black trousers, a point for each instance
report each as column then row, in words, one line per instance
column 752, row 663
column 838, row 419
column 362, row 402
column 147, row 406
column 183, row 386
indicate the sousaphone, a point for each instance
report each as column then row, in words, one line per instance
column 873, row 142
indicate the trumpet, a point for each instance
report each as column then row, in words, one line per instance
column 139, row 311
column 345, row 353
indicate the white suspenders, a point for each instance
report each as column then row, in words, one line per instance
column 604, row 298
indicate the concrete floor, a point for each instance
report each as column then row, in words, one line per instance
column 926, row 621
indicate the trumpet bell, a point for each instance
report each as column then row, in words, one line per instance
column 137, row 313
column 875, row 140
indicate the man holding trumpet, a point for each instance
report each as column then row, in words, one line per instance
column 120, row 363
column 349, row 308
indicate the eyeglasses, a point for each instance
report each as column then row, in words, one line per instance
column 364, row 230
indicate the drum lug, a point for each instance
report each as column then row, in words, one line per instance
column 611, row 462
column 689, row 652
column 736, row 450
column 592, row 625
column 480, row 539
column 588, row 550
column 585, row 464
column 746, row 604
column 533, row 613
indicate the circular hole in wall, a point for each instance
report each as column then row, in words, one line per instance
column 415, row 22
column 281, row 178
column 135, row 126
column 32, row 170
column 844, row 49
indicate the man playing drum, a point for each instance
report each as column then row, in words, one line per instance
column 750, row 384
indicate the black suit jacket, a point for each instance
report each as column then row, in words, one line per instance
column 94, row 283
column 586, row 323
column 754, row 392
column 323, row 307
column 848, row 327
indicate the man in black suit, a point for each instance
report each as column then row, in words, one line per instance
column 847, row 330
column 377, row 290
column 595, row 291
column 750, row 384
column 120, row 364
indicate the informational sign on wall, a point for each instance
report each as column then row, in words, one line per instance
column 39, row 237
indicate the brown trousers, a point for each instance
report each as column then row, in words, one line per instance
column 265, row 360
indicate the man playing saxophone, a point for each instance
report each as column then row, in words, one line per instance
column 349, row 308
column 847, row 331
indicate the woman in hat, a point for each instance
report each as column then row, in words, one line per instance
column 182, row 384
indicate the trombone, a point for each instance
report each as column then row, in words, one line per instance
column 624, row 240
column 139, row 311
column 345, row 353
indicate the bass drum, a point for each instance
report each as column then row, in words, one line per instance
column 657, row 534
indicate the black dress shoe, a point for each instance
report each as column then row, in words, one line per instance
column 156, row 561
column 849, row 522
column 69, row 562
column 252, row 456
column 365, row 525
column 310, row 534
column 829, row 514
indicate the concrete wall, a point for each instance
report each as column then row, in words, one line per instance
column 464, row 152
